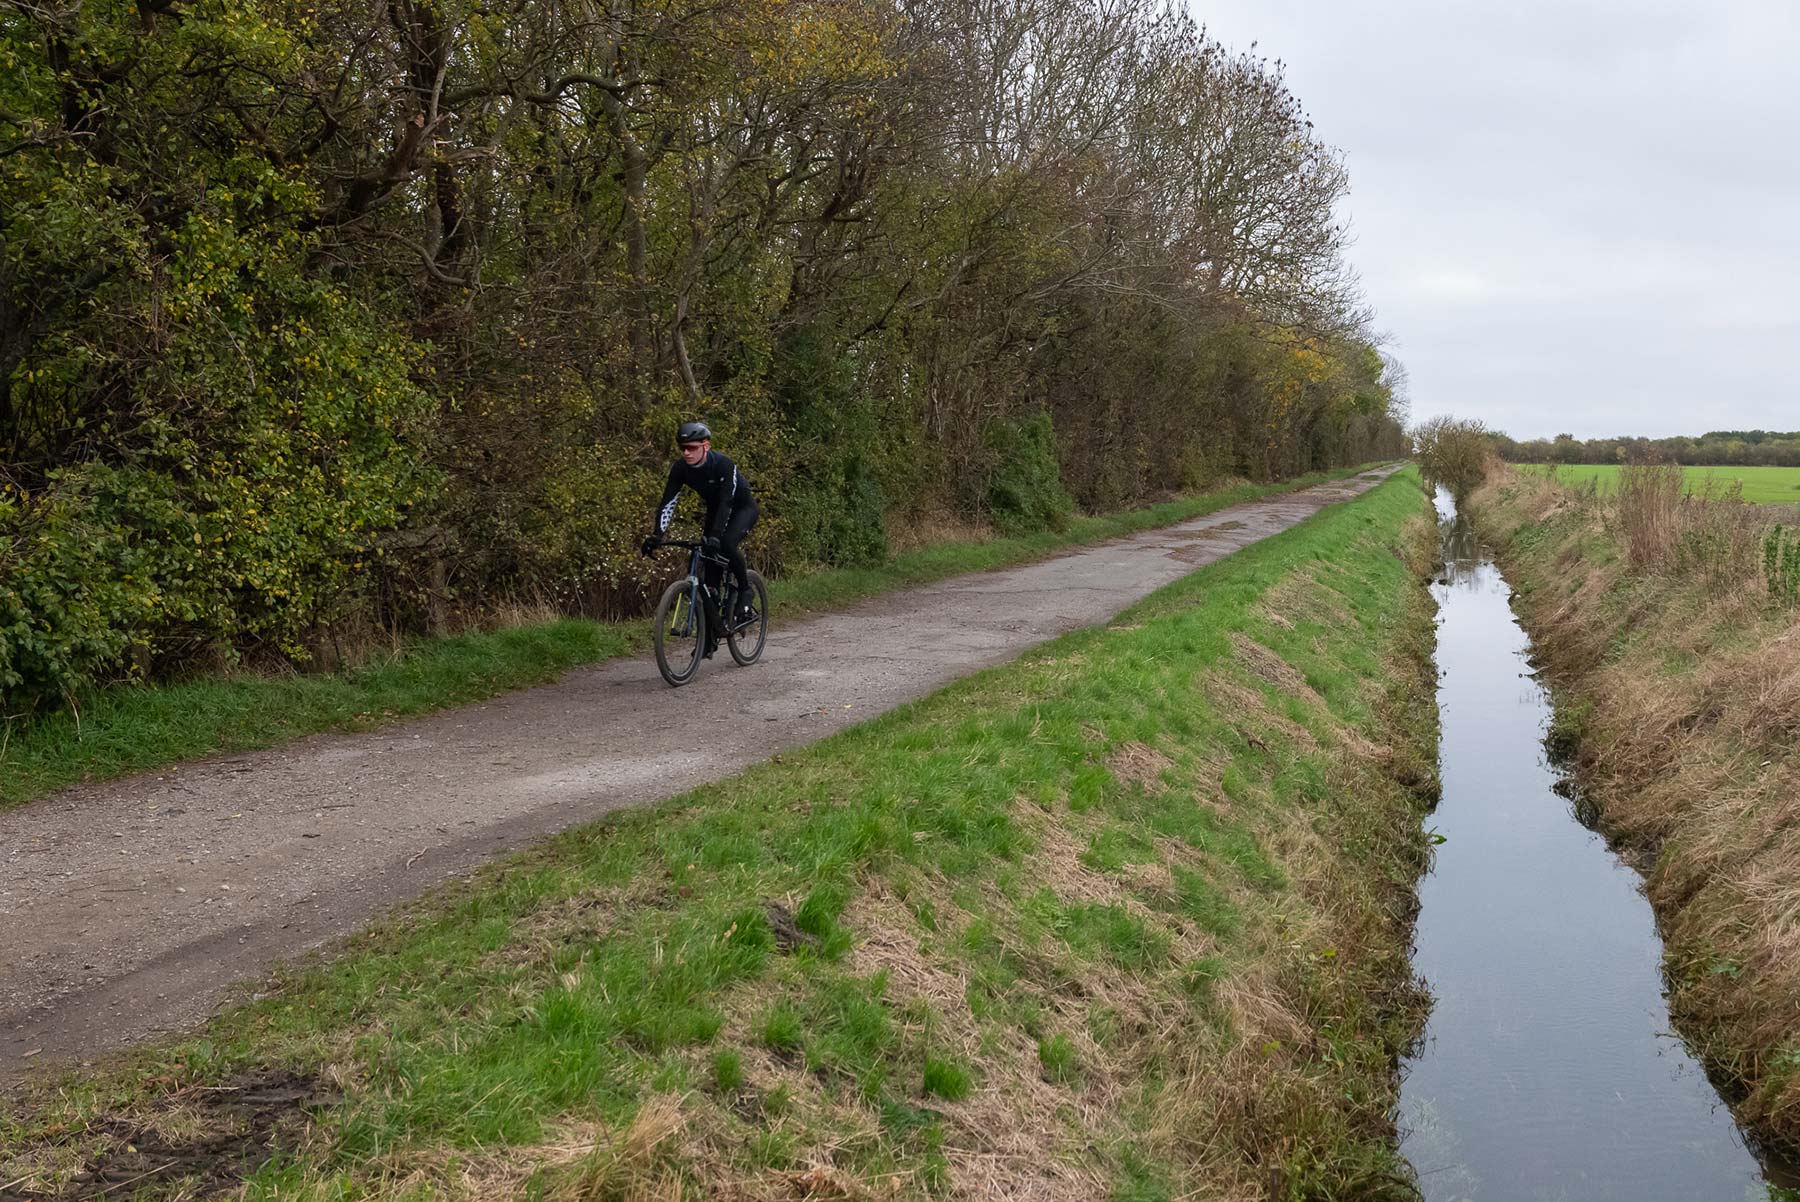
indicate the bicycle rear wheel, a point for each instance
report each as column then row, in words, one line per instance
column 747, row 641
column 680, row 632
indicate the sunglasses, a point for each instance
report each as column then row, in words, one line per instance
column 691, row 446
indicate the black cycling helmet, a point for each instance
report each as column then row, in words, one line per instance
column 692, row 432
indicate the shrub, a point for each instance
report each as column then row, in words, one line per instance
column 262, row 429
column 89, row 566
column 831, row 509
column 1781, row 564
column 1025, row 492
column 833, row 515
column 1454, row 454
column 1718, row 539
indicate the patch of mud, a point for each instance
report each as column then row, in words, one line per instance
column 1198, row 536
column 788, row 935
column 1195, row 546
column 210, row 1138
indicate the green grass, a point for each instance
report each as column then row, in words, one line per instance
column 970, row 949
column 1762, row 485
column 727, row 1069
column 947, row 1079
column 1062, row 1063
column 133, row 728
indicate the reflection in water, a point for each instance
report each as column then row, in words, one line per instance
column 1548, row 1071
column 1462, row 552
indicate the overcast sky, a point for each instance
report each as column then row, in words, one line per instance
column 1578, row 216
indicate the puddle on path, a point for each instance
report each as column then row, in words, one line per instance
column 1549, row 1070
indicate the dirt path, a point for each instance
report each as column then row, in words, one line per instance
column 128, row 909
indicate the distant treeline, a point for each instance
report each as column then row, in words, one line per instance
column 1740, row 448
column 318, row 314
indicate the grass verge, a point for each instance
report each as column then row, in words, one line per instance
column 136, row 728
column 1125, row 918
column 1679, row 701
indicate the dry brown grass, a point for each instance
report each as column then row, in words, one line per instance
column 581, row 1161
column 1261, row 661
column 932, row 528
column 1237, row 1094
column 1138, row 764
column 1687, row 689
column 1018, row 1135
column 1298, row 598
column 1709, row 537
column 581, row 918
column 1251, row 707
column 1231, row 1081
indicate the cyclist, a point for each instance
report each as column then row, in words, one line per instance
column 730, row 513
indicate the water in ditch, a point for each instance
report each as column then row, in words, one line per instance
column 1549, row 1071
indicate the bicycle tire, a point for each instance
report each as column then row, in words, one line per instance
column 679, row 622
column 747, row 644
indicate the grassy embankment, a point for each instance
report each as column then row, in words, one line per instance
column 1679, row 697
column 1761, row 485
column 1125, row 918
column 131, row 729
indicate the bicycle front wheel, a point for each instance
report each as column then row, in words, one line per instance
column 680, row 632
column 747, row 641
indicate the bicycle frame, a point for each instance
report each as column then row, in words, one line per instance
column 696, row 579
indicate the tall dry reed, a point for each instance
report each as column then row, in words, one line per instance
column 1709, row 536
column 1647, row 504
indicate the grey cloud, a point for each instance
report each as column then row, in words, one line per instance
column 1574, row 216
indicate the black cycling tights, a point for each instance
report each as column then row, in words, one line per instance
column 731, row 543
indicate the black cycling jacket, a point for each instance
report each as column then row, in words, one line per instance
column 720, row 485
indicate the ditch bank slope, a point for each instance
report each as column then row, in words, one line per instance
column 130, row 907
column 1678, row 700
column 1127, row 917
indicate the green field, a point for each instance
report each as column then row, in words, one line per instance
column 1762, row 485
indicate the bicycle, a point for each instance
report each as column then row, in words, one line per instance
column 681, row 617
